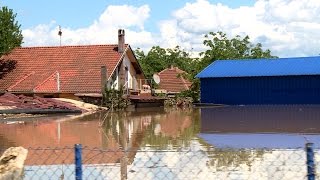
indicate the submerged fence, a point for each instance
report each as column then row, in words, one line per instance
column 190, row 163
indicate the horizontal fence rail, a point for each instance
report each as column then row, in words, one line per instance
column 193, row 163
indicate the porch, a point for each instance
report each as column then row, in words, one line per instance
column 140, row 94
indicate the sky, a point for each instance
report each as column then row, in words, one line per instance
column 289, row 28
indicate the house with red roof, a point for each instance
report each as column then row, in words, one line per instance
column 65, row 71
column 172, row 80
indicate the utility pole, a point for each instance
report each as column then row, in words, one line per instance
column 60, row 33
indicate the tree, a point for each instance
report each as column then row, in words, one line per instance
column 157, row 59
column 10, row 37
column 220, row 47
column 153, row 61
column 10, row 33
column 6, row 66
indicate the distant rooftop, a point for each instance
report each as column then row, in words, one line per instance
column 262, row 67
column 171, row 81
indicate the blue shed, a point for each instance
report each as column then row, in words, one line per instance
column 261, row 81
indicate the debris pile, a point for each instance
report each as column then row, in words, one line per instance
column 11, row 101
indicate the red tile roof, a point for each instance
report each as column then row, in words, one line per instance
column 171, row 81
column 49, row 85
column 78, row 68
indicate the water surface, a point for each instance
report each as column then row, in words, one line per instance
column 236, row 142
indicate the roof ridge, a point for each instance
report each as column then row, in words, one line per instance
column 88, row 45
column 119, row 61
column 178, row 69
column 161, row 71
column 268, row 59
column 46, row 80
column 22, row 79
column 184, row 82
column 174, row 68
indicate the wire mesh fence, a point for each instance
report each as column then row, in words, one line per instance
column 50, row 163
column 211, row 163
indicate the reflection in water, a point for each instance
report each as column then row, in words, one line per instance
column 260, row 142
column 152, row 128
column 155, row 130
column 134, row 132
column 222, row 158
column 261, row 119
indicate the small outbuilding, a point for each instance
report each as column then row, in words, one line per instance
column 261, row 81
column 172, row 80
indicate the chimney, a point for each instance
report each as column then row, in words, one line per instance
column 103, row 79
column 121, row 40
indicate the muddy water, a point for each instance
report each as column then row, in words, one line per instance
column 159, row 128
column 227, row 143
column 153, row 127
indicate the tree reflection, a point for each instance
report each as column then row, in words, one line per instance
column 170, row 130
column 224, row 157
column 175, row 129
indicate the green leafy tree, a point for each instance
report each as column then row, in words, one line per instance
column 10, row 33
column 6, row 66
column 220, row 47
column 10, row 37
column 153, row 61
column 157, row 59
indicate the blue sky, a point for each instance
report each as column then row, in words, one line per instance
column 81, row 13
column 287, row 27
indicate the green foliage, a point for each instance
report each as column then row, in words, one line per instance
column 6, row 66
column 179, row 101
column 114, row 100
column 193, row 92
column 157, row 59
column 219, row 47
column 10, row 33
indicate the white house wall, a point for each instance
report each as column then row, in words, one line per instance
column 114, row 83
column 132, row 81
column 127, row 63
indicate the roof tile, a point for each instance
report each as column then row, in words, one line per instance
column 78, row 66
column 171, row 81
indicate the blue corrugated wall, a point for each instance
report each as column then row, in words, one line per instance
column 261, row 90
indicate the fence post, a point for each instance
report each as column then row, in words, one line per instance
column 123, row 168
column 310, row 161
column 78, row 161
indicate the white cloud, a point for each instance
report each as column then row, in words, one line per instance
column 287, row 27
column 124, row 16
column 102, row 31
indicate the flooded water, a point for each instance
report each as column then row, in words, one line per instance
column 154, row 128
column 236, row 142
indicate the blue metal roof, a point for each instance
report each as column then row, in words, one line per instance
column 262, row 67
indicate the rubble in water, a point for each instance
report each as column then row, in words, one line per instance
column 11, row 101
